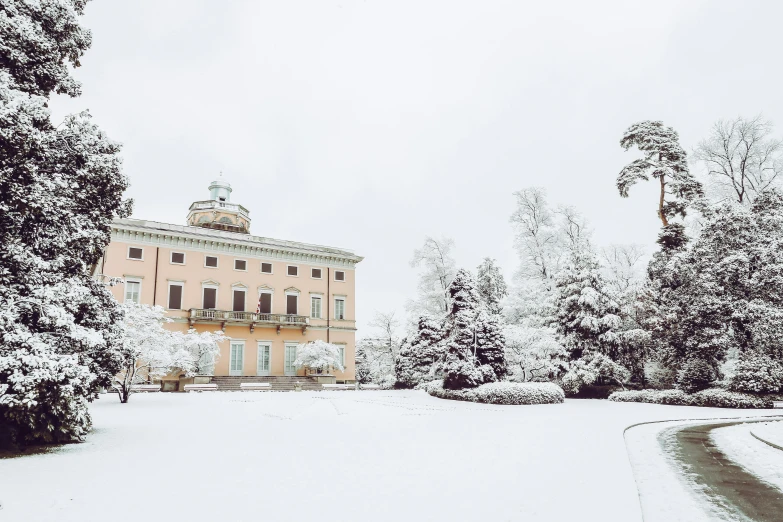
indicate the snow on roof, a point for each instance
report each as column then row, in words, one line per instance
column 233, row 237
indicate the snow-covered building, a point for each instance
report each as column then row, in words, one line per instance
column 267, row 295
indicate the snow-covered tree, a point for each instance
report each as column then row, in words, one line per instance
column 462, row 367
column 742, row 158
column 536, row 235
column 318, row 355
column 491, row 285
column 720, row 294
column 420, row 354
column 203, row 347
column 534, row 353
column 376, row 353
column 491, row 343
column 666, row 161
column 60, row 187
column 435, row 260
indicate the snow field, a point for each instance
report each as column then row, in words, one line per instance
column 334, row 456
column 755, row 456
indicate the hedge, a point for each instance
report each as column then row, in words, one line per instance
column 713, row 397
column 513, row 393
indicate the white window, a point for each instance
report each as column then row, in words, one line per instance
column 210, row 261
column 315, row 306
column 293, row 271
column 240, row 264
column 175, row 295
column 339, row 307
column 315, row 273
column 341, row 348
column 136, row 253
column 236, row 358
column 266, row 268
column 177, row 258
column 132, row 291
column 339, row 275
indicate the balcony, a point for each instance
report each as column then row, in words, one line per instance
column 211, row 204
column 226, row 317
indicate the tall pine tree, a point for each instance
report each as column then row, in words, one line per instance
column 60, row 187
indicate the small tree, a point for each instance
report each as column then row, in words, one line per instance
column 318, row 355
column 491, row 285
column 203, row 348
column 665, row 160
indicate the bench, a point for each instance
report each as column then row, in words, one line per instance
column 369, row 387
column 338, row 386
column 254, row 386
column 200, row 387
column 145, row 387
column 777, row 404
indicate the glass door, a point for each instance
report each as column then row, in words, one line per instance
column 290, row 357
column 236, row 358
column 264, row 353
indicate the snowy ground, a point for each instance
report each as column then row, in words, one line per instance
column 380, row 456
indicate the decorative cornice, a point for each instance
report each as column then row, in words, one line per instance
column 231, row 243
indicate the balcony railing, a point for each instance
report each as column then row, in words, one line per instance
column 249, row 318
column 217, row 205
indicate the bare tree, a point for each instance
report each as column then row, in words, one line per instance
column 574, row 232
column 742, row 157
column 376, row 353
column 438, row 269
column 536, row 234
column 623, row 264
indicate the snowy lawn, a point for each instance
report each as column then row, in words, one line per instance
column 360, row 456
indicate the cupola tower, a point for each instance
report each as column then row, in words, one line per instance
column 218, row 211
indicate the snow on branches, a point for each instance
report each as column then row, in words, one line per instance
column 319, row 355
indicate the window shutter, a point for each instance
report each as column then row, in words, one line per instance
column 210, row 298
column 266, row 268
column 266, row 303
column 239, row 300
column 175, row 297
column 291, row 302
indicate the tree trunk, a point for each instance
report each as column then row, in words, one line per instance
column 664, row 221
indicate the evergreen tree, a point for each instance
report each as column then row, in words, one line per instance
column 666, row 161
column 491, row 343
column 723, row 293
column 491, row 285
column 60, row 187
column 420, row 355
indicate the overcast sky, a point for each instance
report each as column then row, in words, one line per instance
column 369, row 125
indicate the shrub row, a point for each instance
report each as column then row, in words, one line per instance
column 713, row 397
column 502, row 393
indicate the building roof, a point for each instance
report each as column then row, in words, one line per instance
column 209, row 239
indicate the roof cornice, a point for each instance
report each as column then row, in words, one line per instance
column 197, row 238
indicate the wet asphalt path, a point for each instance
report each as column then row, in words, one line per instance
column 728, row 481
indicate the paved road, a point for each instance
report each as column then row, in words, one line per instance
column 753, row 498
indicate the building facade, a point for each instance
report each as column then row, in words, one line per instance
column 267, row 295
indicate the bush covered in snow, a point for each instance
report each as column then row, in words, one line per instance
column 503, row 393
column 757, row 373
column 713, row 397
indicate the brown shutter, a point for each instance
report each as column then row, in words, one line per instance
column 210, row 298
column 266, row 303
column 175, row 297
column 135, row 253
column 266, row 268
column 211, row 262
column 291, row 302
column 178, row 258
column 239, row 300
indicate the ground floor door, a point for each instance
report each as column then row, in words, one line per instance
column 264, row 353
column 290, row 357
column 236, row 358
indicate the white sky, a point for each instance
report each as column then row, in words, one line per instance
column 369, row 125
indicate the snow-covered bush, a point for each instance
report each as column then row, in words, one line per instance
column 714, row 398
column 591, row 368
column 514, row 393
column 420, row 354
column 695, row 375
column 757, row 373
column 534, row 354
column 318, row 355
column 659, row 376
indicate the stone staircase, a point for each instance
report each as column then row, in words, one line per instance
column 278, row 383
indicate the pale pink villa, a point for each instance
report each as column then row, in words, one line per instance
column 267, row 295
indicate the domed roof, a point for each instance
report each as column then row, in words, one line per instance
column 219, row 183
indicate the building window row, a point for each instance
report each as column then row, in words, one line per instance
column 263, row 360
column 178, row 258
column 209, row 298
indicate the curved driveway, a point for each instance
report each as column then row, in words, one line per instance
column 754, row 498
